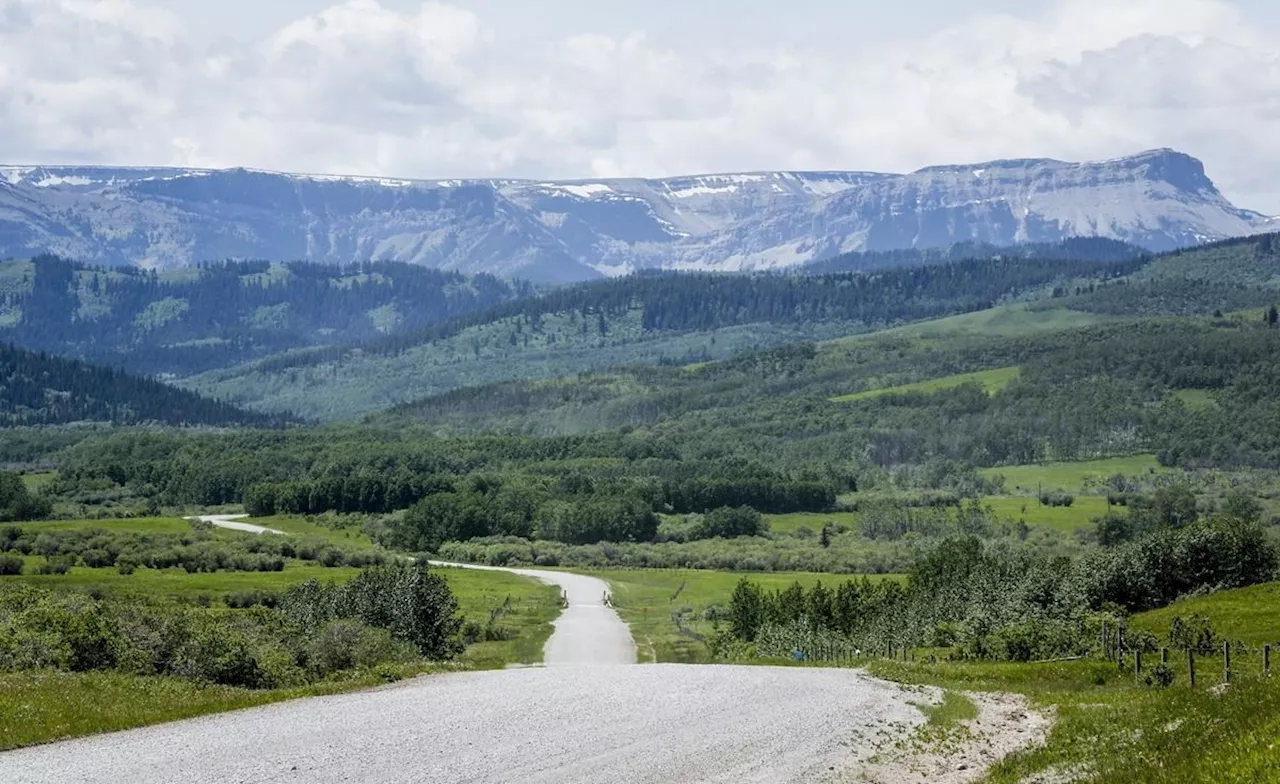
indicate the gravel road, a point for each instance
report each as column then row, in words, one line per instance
column 232, row 522
column 564, row 725
column 585, row 718
column 588, row 631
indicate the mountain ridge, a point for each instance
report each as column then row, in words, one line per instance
column 578, row 229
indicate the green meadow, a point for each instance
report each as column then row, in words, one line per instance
column 990, row 380
column 1072, row 476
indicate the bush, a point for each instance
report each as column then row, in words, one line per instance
column 729, row 522
column 97, row 558
column 10, row 564
column 415, row 604
column 17, row 503
column 346, row 645
column 245, row 599
column 1057, row 499
column 1161, row 676
column 60, row 564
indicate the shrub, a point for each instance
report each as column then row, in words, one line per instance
column 1161, row 676
column 1057, row 499
column 256, row 598
column 97, row 558
column 729, row 522
column 346, row 644
column 10, row 564
column 1194, row 634
column 415, row 604
column 55, row 565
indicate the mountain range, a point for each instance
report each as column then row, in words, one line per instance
column 577, row 230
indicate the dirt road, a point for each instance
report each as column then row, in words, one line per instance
column 650, row 724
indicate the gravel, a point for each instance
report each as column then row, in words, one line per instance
column 230, row 522
column 588, row 631
column 586, row 717
column 648, row 723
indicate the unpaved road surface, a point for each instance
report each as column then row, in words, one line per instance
column 588, row 631
column 650, row 724
column 583, row 719
column 232, row 522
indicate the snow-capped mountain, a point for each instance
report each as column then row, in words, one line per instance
column 573, row 230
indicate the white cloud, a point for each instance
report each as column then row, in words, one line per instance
column 431, row 90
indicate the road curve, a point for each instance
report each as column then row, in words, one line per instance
column 582, row 719
column 232, row 522
column 656, row 724
column 587, row 632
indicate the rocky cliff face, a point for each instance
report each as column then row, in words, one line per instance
column 563, row 231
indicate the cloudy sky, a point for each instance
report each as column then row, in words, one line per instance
column 583, row 88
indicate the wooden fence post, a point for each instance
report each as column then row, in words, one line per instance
column 1106, row 639
column 1226, row 662
column 1191, row 666
column 1137, row 663
column 1164, row 656
column 1266, row 661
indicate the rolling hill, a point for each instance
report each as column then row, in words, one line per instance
column 37, row 389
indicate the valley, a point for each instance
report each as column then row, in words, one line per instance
column 400, row 391
column 950, row 474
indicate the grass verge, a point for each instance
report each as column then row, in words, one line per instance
column 670, row 612
column 1110, row 728
column 45, row 706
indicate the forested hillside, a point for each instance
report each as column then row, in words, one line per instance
column 1069, row 394
column 187, row 321
column 37, row 389
column 650, row 319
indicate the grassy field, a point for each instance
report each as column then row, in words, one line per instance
column 650, row 601
column 37, row 481
column 1250, row 615
column 141, row 525
column 298, row 526
column 177, row 583
column 45, row 706
column 1079, row 515
column 525, row 609
column 992, row 381
column 1196, row 398
column 527, row 616
column 814, row 521
column 1077, row 476
column 1006, row 320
